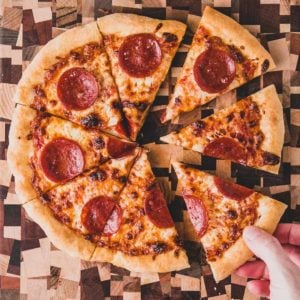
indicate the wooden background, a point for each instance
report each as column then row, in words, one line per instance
column 30, row 267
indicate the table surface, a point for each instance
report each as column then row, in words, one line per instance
column 32, row 268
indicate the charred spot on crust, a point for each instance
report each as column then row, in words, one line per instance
column 229, row 117
column 197, row 127
column 141, row 106
column 265, row 66
column 29, row 136
column 270, row 158
column 75, row 55
column 88, row 237
column 236, row 54
column 169, row 37
column 122, row 179
column 159, row 26
column 177, row 100
column 45, row 197
column 39, row 91
column 90, row 121
column 129, row 236
column 252, row 123
column 99, row 175
column 242, row 114
column 159, row 248
column 98, row 143
column 232, row 214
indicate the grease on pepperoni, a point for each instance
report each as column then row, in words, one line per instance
column 197, row 213
column 140, row 55
column 77, row 89
column 117, row 148
column 214, row 70
column 226, row 148
column 62, row 159
column 101, row 215
column 232, row 190
column 156, row 208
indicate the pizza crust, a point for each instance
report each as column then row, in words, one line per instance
column 271, row 123
column 58, row 47
column 270, row 212
column 233, row 33
column 60, row 235
column 20, row 151
column 162, row 263
column 127, row 24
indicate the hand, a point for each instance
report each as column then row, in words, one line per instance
column 278, row 275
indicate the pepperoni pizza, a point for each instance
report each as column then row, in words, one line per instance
column 71, row 78
column 223, row 56
column 46, row 151
column 219, row 210
column 140, row 50
column 241, row 133
column 104, row 215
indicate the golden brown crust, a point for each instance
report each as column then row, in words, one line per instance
column 20, row 151
column 269, row 214
column 60, row 235
column 166, row 262
column 47, row 56
column 187, row 94
column 271, row 125
column 140, row 92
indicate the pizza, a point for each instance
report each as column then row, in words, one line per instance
column 82, row 102
column 250, row 132
column 219, row 210
column 46, row 151
column 140, row 50
column 112, row 213
column 71, row 78
column 223, row 56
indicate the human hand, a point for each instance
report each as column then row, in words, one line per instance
column 278, row 274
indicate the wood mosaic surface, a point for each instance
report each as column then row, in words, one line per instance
column 30, row 267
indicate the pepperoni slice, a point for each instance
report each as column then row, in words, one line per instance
column 62, row 159
column 140, row 55
column 232, row 190
column 101, row 215
column 77, row 89
column 157, row 210
column 214, row 70
column 197, row 213
column 122, row 128
column 117, row 148
column 226, row 148
column 114, row 221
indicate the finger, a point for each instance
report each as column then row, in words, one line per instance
column 260, row 288
column 268, row 248
column 253, row 269
column 293, row 253
column 288, row 234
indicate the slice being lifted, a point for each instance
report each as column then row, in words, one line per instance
column 70, row 213
column 219, row 211
column 45, row 151
column 140, row 50
column 223, row 56
column 249, row 132
column 146, row 240
column 71, row 78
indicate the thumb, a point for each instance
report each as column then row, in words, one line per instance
column 266, row 247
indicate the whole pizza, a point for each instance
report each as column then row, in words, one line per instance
column 82, row 177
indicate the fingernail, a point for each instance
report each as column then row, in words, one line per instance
column 251, row 233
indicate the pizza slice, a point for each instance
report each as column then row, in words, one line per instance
column 45, row 151
column 140, row 50
column 223, row 56
column 250, row 132
column 219, row 211
column 70, row 212
column 71, row 78
column 146, row 239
